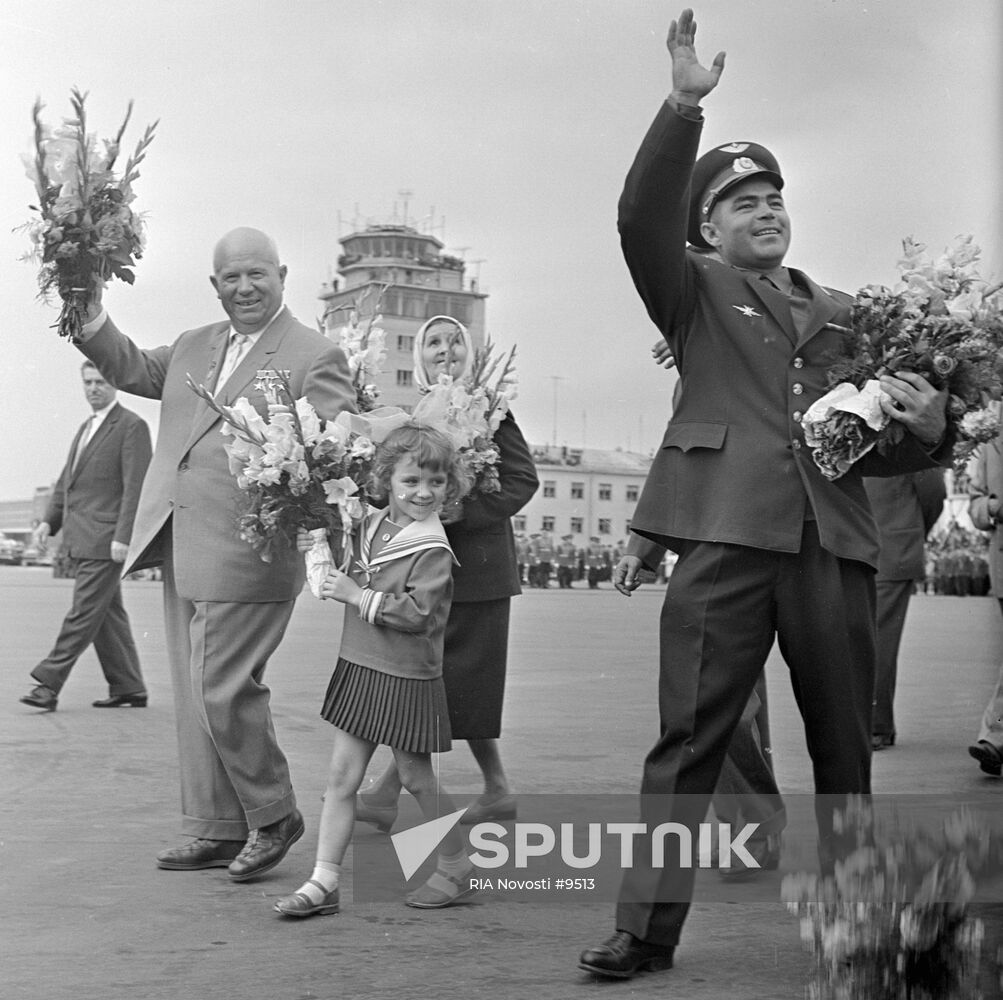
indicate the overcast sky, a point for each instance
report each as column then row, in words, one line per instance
column 515, row 120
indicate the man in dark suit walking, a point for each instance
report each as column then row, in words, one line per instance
column 905, row 510
column 768, row 548
column 94, row 503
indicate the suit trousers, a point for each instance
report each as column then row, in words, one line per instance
column 234, row 777
column 97, row 615
column 723, row 607
column 893, row 603
column 991, row 726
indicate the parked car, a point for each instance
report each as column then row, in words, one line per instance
column 11, row 551
column 34, row 555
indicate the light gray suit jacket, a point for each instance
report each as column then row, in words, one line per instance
column 189, row 484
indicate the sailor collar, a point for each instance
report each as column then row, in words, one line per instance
column 412, row 538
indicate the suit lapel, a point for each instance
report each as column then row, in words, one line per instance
column 256, row 359
column 825, row 308
column 777, row 304
column 203, row 416
column 104, row 429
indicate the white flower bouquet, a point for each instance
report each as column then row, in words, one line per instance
column 470, row 410
column 943, row 321
column 299, row 471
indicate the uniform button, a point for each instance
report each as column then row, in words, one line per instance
column 170, row 503
column 797, row 388
column 796, row 416
column 799, row 362
column 183, row 467
column 796, row 445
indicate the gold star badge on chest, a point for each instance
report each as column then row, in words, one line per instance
column 747, row 311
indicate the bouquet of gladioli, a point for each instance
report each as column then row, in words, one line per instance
column 86, row 231
column 941, row 321
column 364, row 342
column 470, row 410
column 892, row 921
column 298, row 471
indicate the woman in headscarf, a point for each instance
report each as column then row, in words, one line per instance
column 479, row 529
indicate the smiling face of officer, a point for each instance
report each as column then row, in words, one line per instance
column 749, row 226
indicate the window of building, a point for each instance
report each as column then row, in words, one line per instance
column 404, row 378
column 547, row 524
column 519, row 522
column 577, row 526
column 405, row 342
column 605, row 526
column 549, row 488
column 577, row 491
column 605, row 491
column 632, row 492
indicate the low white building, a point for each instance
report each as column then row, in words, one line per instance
column 584, row 492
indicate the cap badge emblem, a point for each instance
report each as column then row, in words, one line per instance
column 742, row 165
column 734, row 147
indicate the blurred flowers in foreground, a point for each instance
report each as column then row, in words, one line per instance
column 892, row 921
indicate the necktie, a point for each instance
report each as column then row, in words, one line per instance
column 85, row 436
column 234, row 353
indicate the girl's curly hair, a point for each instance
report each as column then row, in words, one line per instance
column 430, row 448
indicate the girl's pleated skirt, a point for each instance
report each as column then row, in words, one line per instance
column 401, row 712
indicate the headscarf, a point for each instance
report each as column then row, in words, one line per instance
column 421, row 377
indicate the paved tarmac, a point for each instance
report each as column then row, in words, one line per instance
column 88, row 797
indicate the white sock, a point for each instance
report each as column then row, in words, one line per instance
column 328, row 875
column 457, row 865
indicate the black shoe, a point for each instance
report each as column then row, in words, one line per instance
column 623, row 955
column 766, row 853
column 879, row 741
column 266, row 847
column 41, row 697
column 200, row 853
column 122, row 701
column 990, row 757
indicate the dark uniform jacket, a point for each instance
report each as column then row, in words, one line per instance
column 733, row 466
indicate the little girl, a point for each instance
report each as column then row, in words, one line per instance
column 387, row 684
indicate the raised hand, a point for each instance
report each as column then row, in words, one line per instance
column 691, row 82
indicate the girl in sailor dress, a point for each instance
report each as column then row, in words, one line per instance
column 387, row 684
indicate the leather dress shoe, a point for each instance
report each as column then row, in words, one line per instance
column 122, row 701
column 766, row 853
column 623, row 955
column 41, row 697
column 989, row 756
column 266, row 847
column 502, row 808
column 200, row 853
column 879, row 741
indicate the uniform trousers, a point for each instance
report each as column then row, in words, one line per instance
column 97, row 615
column 724, row 605
column 234, row 777
column 893, row 603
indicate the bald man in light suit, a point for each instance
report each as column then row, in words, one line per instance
column 225, row 609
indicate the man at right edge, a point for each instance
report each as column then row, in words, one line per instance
column 767, row 546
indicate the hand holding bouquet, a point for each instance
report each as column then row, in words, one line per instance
column 941, row 321
column 296, row 470
column 86, row 231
